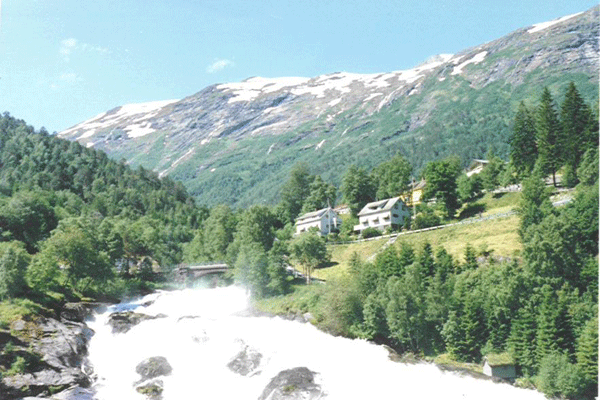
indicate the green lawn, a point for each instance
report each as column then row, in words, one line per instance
column 498, row 236
column 341, row 254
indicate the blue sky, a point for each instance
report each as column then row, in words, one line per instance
column 64, row 61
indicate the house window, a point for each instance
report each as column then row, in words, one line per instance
column 395, row 215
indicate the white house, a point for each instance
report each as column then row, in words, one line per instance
column 325, row 220
column 389, row 213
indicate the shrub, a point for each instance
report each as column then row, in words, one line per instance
column 426, row 219
column 17, row 367
column 557, row 376
column 370, row 232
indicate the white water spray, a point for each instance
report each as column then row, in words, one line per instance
column 200, row 334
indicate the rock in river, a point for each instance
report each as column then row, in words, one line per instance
column 121, row 322
column 154, row 367
column 293, row 384
column 245, row 362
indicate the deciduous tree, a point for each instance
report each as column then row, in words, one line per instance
column 441, row 184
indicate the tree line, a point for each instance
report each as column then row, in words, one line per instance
column 74, row 221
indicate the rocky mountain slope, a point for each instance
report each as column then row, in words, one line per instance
column 235, row 143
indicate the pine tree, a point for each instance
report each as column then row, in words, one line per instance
column 425, row 260
column 388, row 264
column 548, row 137
column 587, row 353
column 521, row 341
column 523, row 150
column 470, row 258
column 547, row 331
column 574, row 120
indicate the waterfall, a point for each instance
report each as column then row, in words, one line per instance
column 201, row 331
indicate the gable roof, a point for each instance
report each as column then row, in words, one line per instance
column 312, row 216
column 379, row 206
column 499, row 360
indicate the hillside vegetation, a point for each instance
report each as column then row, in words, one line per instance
column 230, row 149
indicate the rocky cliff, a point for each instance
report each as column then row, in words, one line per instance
column 235, row 142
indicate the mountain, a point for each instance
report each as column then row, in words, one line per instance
column 236, row 142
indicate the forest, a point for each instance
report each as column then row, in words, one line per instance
column 75, row 224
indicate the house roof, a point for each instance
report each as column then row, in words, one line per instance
column 311, row 216
column 498, row 360
column 379, row 206
column 477, row 162
column 417, row 185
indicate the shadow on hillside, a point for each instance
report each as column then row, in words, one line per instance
column 498, row 195
column 327, row 265
column 471, row 210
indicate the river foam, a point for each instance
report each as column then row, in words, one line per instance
column 199, row 332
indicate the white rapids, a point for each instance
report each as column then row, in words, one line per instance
column 203, row 330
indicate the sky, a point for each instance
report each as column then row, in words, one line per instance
column 65, row 61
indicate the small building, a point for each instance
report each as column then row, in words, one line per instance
column 325, row 220
column 388, row 213
column 342, row 209
column 476, row 167
column 499, row 365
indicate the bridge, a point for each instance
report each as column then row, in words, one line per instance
column 185, row 272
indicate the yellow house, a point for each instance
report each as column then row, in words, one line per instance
column 414, row 195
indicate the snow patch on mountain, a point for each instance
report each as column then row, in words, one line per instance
column 373, row 95
column 544, row 25
column 121, row 115
column 479, row 57
column 251, row 88
column 180, row 159
column 340, row 82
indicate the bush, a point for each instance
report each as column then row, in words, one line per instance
column 558, row 377
column 17, row 367
column 370, row 232
column 426, row 219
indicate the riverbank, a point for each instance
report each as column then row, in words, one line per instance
column 44, row 353
column 302, row 306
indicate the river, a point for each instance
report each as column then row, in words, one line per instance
column 201, row 330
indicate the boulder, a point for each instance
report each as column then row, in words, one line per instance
column 79, row 312
column 245, row 362
column 293, row 384
column 54, row 351
column 152, row 389
column 74, row 393
column 123, row 321
column 153, row 367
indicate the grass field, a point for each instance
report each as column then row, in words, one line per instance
column 498, row 236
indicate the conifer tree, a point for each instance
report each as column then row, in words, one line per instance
column 522, row 342
column 546, row 333
column 388, row 264
column 548, row 138
column 425, row 260
column 587, row 354
column 470, row 258
column 574, row 120
column 523, row 147
column 407, row 255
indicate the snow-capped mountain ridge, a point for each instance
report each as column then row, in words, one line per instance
column 235, row 141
